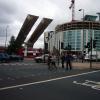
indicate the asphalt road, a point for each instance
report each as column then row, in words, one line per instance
column 31, row 81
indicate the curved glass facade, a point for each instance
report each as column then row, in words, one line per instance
column 97, row 38
column 74, row 38
column 77, row 34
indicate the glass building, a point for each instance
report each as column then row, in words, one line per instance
column 77, row 34
column 74, row 38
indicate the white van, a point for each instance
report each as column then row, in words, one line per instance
column 86, row 58
column 41, row 58
column 94, row 56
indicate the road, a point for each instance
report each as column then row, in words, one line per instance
column 32, row 81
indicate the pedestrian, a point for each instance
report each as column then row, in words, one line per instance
column 58, row 59
column 49, row 61
column 62, row 59
column 82, row 57
column 53, row 61
column 68, row 59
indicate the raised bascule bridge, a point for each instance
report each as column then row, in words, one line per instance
column 26, row 28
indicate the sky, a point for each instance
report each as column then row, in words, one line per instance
column 14, row 12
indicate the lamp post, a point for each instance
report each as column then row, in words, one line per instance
column 6, row 36
column 83, row 33
column 83, row 12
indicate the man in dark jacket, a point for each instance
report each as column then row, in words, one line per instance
column 68, row 59
column 62, row 59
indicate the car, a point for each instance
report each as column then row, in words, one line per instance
column 4, row 57
column 88, row 57
column 15, row 57
column 75, row 57
column 42, row 58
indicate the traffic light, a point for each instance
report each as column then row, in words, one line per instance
column 88, row 45
column 94, row 43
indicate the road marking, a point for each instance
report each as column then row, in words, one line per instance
column 45, row 81
column 93, row 84
column 97, row 87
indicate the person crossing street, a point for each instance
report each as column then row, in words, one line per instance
column 68, row 60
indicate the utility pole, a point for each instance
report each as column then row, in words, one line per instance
column 6, row 36
column 91, row 51
column 91, row 46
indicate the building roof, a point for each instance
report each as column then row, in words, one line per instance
column 78, row 25
column 39, row 30
column 90, row 18
column 25, row 29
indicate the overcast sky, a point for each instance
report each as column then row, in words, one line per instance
column 14, row 12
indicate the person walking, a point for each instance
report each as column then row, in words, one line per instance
column 62, row 59
column 68, row 59
column 53, row 61
column 49, row 61
column 58, row 59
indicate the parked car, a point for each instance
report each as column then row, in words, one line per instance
column 14, row 57
column 88, row 57
column 75, row 57
column 4, row 57
column 41, row 58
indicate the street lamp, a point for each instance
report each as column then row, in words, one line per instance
column 83, row 12
column 6, row 36
column 83, row 33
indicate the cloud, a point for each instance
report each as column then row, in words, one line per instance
column 14, row 12
column 7, row 10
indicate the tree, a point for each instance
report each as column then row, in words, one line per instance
column 12, row 47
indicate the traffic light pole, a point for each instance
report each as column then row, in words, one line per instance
column 91, row 53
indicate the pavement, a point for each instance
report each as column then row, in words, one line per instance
column 85, row 65
column 76, row 64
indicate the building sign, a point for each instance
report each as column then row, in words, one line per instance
column 92, row 84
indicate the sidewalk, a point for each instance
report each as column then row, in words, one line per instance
column 84, row 65
column 75, row 65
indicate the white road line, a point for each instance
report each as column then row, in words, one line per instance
column 45, row 81
column 93, row 84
